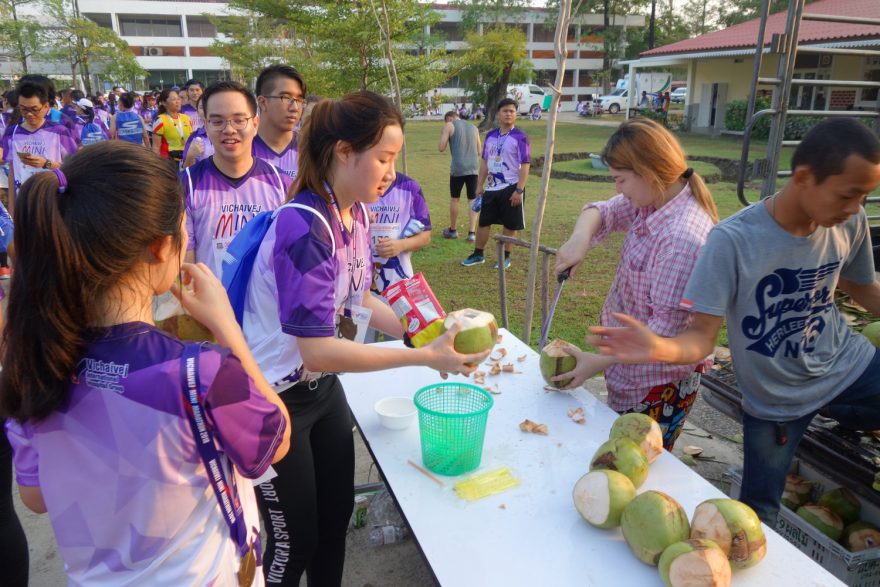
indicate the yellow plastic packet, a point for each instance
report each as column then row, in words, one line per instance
column 486, row 484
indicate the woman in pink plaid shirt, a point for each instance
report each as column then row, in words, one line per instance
column 667, row 212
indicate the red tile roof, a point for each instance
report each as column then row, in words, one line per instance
column 745, row 35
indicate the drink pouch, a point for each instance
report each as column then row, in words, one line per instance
column 417, row 308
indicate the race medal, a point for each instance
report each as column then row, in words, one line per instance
column 346, row 328
column 247, row 570
column 497, row 158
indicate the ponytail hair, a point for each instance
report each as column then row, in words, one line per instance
column 652, row 152
column 358, row 119
column 75, row 244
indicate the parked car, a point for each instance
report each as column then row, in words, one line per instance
column 532, row 99
column 679, row 95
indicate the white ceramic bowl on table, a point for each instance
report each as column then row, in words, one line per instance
column 396, row 413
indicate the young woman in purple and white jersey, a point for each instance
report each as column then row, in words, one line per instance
column 307, row 297
column 101, row 410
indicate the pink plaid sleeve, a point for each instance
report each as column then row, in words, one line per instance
column 617, row 216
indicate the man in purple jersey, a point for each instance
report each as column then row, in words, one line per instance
column 226, row 190
column 280, row 91
column 34, row 144
column 505, row 169
column 193, row 91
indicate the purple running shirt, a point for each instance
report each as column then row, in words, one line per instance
column 195, row 119
column 504, row 154
column 53, row 141
column 286, row 161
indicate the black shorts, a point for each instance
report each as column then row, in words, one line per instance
column 457, row 181
column 496, row 209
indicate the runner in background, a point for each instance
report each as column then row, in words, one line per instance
column 400, row 225
column 280, row 91
column 88, row 130
column 463, row 139
column 97, row 397
column 307, row 300
column 171, row 128
column 193, row 91
column 126, row 125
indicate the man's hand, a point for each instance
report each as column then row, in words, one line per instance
column 516, row 199
column 389, row 247
column 32, row 160
column 588, row 364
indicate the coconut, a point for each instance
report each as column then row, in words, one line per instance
column 478, row 333
column 651, row 523
column 555, row 360
column 859, row 536
column 642, row 429
column 872, row 333
column 623, row 455
column 823, row 520
column 842, row 502
column 694, row 563
column 735, row 527
column 797, row 492
column 600, row 497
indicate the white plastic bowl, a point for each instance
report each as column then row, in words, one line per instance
column 396, row 413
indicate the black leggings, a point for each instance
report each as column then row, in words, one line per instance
column 13, row 544
column 307, row 507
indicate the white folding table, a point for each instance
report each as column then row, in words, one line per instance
column 531, row 534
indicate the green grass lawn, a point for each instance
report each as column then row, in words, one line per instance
column 582, row 298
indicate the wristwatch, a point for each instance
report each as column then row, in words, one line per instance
column 519, row 190
column 47, row 164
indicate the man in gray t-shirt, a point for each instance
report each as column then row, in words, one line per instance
column 771, row 270
column 463, row 139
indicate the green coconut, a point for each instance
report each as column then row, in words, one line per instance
column 651, row 523
column 797, row 492
column 733, row 526
column 479, row 331
column 872, row 333
column 642, row 429
column 623, row 455
column 823, row 520
column 601, row 496
column 555, row 360
column 842, row 502
column 694, row 563
column 860, row 536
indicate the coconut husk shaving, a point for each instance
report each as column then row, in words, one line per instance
column 533, row 427
column 577, row 416
column 502, row 352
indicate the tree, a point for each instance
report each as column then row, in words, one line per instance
column 733, row 13
column 23, row 35
column 699, row 16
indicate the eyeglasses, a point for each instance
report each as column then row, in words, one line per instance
column 237, row 123
column 31, row 109
column 286, row 100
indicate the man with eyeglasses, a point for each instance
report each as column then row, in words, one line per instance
column 226, row 190
column 34, row 144
column 280, row 94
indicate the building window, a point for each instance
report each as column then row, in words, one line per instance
column 199, row 26
column 166, row 78
column 209, row 76
column 103, row 19
column 449, row 30
column 810, row 66
column 871, row 74
column 150, row 26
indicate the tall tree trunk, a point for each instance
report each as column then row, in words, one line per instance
column 652, row 24
column 22, row 53
column 390, row 66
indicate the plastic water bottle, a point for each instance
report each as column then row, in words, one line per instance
column 478, row 203
column 389, row 534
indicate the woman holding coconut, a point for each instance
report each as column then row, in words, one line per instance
column 667, row 211
column 307, row 301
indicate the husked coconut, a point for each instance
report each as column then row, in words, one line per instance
column 842, row 502
column 694, row 563
column 797, row 492
column 642, row 429
column 651, row 523
column 733, row 526
column 601, row 496
column 860, row 536
column 823, row 520
column 623, row 455
column 478, row 333
column 555, row 360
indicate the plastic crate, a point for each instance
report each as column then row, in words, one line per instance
column 856, row 569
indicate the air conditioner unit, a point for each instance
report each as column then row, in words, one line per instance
column 153, row 51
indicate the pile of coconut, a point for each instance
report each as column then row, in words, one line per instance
column 724, row 534
column 835, row 514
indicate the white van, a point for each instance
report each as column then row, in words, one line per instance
column 531, row 98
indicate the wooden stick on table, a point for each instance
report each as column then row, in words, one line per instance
column 427, row 474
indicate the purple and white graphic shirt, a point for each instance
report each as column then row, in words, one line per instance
column 402, row 203
column 52, row 141
column 300, row 283
column 217, row 207
column 195, row 119
column 287, row 160
column 199, row 135
column 504, row 154
column 126, row 491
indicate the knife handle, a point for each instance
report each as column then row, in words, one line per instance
column 564, row 275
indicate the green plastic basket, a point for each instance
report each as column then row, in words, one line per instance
column 452, row 426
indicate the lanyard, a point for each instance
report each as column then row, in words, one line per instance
column 499, row 144
column 352, row 238
column 227, row 494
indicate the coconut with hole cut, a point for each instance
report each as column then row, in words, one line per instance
column 860, row 536
column 555, row 360
column 478, row 333
column 733, row 526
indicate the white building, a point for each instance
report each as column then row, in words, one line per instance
column 172, row 41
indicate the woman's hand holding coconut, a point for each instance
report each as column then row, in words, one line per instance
column 588, row 364
column 442, row 356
